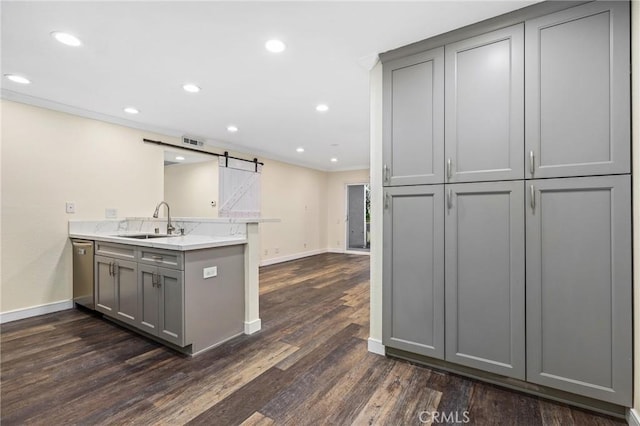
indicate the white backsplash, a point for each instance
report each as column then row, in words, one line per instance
column 191, row 226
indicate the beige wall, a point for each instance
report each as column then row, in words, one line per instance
column 190, row 188
column 49, row 158
column 336, row 205
column 298, row 197
column 635, row 143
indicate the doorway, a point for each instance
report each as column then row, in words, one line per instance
column 358, row 215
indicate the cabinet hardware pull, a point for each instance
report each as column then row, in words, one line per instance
column 116, row 269
column 110, row 269
column 154, row 279
column 156, row 257
column 450, row 199
column 385, row 173
column 532, row 162
column 449, row 168
column 386, row 201
column 533, row 197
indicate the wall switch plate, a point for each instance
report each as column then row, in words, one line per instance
column 212, row 271
column 70, row 207
column 111, row 213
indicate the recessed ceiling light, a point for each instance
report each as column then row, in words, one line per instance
column 301, row 149
column 131, row 110
column 66, row 38
column 275, row 46
column 191, row 88
column 17, row 78
column 232, row 129
column 180, row 158
column 322, row 108
column 334, row 160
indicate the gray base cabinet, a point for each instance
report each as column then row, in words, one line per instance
column 116, row 288
column 579, row 286
column 578, row 91
column 484, row 277
column 162, row 303
column 413, row 269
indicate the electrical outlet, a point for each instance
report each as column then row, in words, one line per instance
column 110, row 213
column 70, row 207
column 212, row 271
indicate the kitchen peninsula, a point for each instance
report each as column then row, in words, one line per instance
column 191, row 290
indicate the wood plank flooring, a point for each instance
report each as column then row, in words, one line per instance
column 308, row 366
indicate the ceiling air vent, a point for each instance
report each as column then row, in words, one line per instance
column 190, row 141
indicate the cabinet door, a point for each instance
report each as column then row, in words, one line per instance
column 578, row 89
column 148, row 298
column 105, row 286
column 413, row 135
column 171, row 301
column 579, row 286
column 484, row 107
column 126, row 278
column 413, row 270
column 485, row 293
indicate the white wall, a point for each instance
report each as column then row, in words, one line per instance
column 635, row 143
column 336, row 205
column 49, row 158
column 190, row 188
column 297, row 196
column 375, row 325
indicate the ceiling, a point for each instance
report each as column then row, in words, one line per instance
column 140, row 53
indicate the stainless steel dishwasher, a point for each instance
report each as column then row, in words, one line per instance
column 83, row 273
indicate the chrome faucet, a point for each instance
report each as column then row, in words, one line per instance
column 170, row 227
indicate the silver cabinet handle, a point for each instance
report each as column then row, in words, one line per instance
column 385, row 173
column 110, row 269
column 532, row 162
column 154, row 279
column 386, row 201
column 116, row 269
column 449, row 168
column 157, row 257
column 450, row 199
column 533, row 197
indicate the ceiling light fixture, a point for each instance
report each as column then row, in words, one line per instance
column 191, row 88
column 232, row 129
column 322, row 108
column 275, row 46
column 334, row 160
column 17, row 78
column 131, row 110
column 301, row 149
column 66, row 38
column 180, row 158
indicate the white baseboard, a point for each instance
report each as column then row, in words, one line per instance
column 375, row 346
column 633, row 417
column 289, row 257
column 252, row 326
column 34, row 311
column 335, row 250
column 343, row 251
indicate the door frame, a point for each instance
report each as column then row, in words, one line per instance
column 346, row 219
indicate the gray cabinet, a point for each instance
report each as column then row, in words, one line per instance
column 579, row 286
column 413, row 147
column 116, row 288
column 578, row 91
column 413, row 269
column 162, row 303
column 485, row 289
column 484, row 107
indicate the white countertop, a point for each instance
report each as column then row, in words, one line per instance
column 179, row 242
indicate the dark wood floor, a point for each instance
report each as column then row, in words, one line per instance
column 308, row 366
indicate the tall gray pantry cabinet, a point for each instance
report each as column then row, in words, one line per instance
column 507, row 201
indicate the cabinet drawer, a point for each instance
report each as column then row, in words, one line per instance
column 119, row 251
column 165, row 258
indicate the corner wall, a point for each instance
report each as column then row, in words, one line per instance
column 50, row 158
column 635, row 151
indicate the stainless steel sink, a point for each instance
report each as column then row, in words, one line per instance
column 145, row 236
